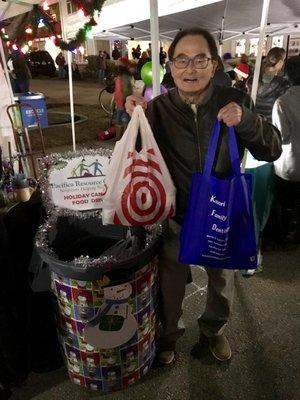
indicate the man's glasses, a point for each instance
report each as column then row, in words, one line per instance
column 199, row 62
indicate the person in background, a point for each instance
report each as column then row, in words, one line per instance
column 286, row 116
column 123, row 88
column 143, row 60
column 220, row 77
column 149, row 51
column 168, row 81
column 101, row 66
column 134, row 53
column 271, row 84
column 162, row 56
column 107, row 56
column 115, row 53
column 60, row 61
column 228, row 68
column 244, row 59
column 138, row 51
column 182, row 121
column 241, row 73
column 21, row 72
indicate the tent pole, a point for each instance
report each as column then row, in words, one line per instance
column 287, row 47
column 71, row 98
column 263, row 23
column 154, row 47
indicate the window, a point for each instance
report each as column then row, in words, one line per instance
column 277, row 41
column 70, row 7
column 240, row 47
column 253, row 46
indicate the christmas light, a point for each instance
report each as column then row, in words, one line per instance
column 45, row 6
column 29, row 42
column 81, row 49
column 29, row 31
column 15, row 47
column 80, row 13
column 24, row 49
column 41, row 23
column 3, row 30
column 89, row 35
column 8, row 43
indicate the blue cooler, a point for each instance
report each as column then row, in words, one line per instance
column 37, row 101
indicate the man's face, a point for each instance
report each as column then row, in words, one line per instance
column 190, row 79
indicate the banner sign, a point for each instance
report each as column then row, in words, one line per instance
column 77, row 183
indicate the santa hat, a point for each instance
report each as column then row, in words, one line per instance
column 243, row 70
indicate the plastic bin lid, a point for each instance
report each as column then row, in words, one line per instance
column 29, row 96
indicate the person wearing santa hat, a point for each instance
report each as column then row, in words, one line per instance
column 241, row 73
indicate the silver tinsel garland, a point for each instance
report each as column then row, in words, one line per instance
column 42, row 242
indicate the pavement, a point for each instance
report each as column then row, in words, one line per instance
column 263, row 330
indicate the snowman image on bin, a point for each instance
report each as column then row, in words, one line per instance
column 114, row 323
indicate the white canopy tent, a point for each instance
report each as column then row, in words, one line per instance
column 242, row 19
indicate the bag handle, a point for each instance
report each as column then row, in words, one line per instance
column 212, row 148
column 138, row 120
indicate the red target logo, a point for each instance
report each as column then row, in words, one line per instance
column 144, row 200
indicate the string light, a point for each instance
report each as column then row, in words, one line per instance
column 25, row 49
column 89, row 35
column 45, row 6
column 80, row 13
column 41, row 23
column 42, row 19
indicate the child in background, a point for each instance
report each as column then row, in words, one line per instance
column 123, row 88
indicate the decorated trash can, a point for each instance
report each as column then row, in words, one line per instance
column 105, row 280
column 104, row 276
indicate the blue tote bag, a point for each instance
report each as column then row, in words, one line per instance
column 218, row 227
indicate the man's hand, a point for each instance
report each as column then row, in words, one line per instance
column 231, row 114
column 132, row 101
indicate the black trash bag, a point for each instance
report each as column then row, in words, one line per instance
column 74, row 237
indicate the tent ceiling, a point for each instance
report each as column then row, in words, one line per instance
column 242, row 16
column 10, row 8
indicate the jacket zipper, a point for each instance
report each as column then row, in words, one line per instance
column 198, row 141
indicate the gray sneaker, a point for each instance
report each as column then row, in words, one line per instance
column 166, row 357
column 220, row 347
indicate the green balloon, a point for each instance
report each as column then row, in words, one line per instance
column 146, row 73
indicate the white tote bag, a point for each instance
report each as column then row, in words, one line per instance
column 140, row 188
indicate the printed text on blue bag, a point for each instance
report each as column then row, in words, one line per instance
column 218, row 228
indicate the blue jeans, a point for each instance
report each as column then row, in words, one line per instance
column 101, row 75
column 61, row 72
